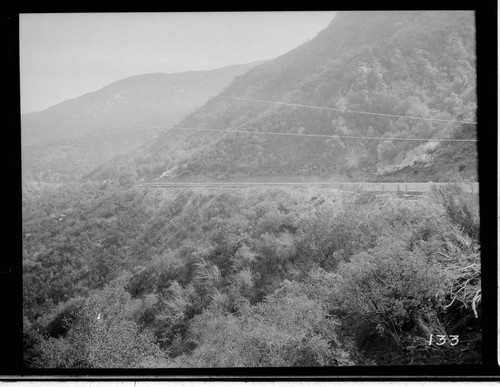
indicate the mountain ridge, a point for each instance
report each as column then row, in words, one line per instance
column 78, row 134
column 413, row 63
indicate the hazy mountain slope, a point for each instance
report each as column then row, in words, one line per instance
column 411, row 63
column 79, row 134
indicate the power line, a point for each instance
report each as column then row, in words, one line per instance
column 345, row 110
column 325, row 135
column 281, row 133
column 288, row 104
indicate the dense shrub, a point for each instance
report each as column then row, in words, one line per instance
column 461, row 207
column 102, row 336
column 389, row 285
column 287, row 329
column 275, row 279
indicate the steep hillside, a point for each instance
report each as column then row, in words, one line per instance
column 119, row 275
column 411, row 63
column 248, row 278
column 76, row 135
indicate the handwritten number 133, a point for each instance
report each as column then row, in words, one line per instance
column 441, row 339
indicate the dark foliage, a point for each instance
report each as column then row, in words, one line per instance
column 374, row 279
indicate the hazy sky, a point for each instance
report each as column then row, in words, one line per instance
column 66, row 55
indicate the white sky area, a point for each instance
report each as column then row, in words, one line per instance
column 63, row 56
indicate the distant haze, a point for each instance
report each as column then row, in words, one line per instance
column 63, row 56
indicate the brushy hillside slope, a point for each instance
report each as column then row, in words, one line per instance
column 122, row 275
column 281, row 277
column 397, row 63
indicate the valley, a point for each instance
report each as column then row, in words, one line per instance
column 317, row 209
